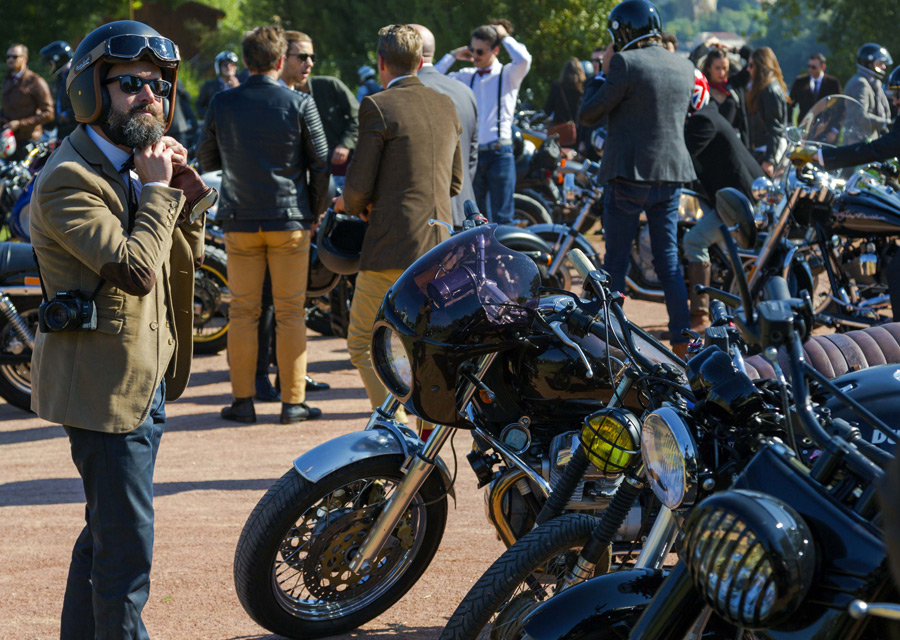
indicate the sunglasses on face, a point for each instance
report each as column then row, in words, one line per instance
column 477, row 52
column 134, row 84
column 303, row 57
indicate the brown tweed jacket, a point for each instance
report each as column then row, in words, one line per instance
column 407, row 164
column 104, row 380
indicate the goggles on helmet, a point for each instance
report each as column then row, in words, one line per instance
column 130, row 47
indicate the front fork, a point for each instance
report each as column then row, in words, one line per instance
column 15, row 321
column 417, row 467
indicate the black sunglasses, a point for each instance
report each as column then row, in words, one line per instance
column 477, row 52
column 303, row 57
column 134, row 84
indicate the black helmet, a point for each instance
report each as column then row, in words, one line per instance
column 339, row 241
column 631, row 21
column 224, row 56
column 892, row 83
column 57, row 54
column 869, row 54
column 114, row 43
column 320, row 279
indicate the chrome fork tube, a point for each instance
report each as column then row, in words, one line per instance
column 419, row 469
column 14, row 319
column 659, row 541
column 569, row 238
column 772, row 240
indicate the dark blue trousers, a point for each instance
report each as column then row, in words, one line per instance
column 109, row 577
column 495, row 184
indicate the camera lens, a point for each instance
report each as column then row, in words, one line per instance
column 57, row 316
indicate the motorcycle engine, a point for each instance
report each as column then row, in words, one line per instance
column 860, row 259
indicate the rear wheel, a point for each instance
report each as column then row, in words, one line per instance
column 15, row 379
column 530, row 211
column 212, row 299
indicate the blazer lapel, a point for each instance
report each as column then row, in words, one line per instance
column 92, row 154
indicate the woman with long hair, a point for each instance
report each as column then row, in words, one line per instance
column 565, row 96
column 715, row 67
column 767, row 107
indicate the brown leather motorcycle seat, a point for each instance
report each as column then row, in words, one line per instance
column 839, row 353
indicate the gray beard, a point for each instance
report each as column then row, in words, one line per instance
column 128, row 130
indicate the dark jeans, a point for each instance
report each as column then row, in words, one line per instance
column 495, row 183
column 623, row 203
column 109, row 577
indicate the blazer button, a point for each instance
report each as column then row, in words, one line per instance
column 167, row 324
column 171, row 341
column 154, row 325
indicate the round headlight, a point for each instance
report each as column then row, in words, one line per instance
column 391, row 361
column 750, row 555
column 611, row 438
column 670, row 457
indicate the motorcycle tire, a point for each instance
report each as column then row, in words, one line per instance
column 15, row 379
column 272, row 574
column 530, row 211
column 212, row 298
column 524, row 576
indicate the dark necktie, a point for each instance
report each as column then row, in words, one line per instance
column 132, row 195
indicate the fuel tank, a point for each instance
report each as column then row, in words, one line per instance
column 875, row 388
column 866, row 213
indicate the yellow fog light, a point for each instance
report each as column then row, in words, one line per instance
column 611, row 438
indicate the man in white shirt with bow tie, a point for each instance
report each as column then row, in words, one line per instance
column 496, row 88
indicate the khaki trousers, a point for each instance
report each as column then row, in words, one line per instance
column 286, row 253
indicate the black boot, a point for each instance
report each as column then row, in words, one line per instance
column 241, row 410
column 265, row 392
column 291, row 413
column 312, row 385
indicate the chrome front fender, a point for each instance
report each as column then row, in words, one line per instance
column 384, row 438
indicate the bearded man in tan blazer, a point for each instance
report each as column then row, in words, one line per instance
column 407, row 165
column 117, row 238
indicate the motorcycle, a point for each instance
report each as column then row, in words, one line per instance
column 614, row 604
column 830, row 233
column 20, row 297
column 463, row 340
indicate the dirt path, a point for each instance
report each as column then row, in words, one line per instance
column 209, row 475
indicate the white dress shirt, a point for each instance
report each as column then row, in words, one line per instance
column 486, row 88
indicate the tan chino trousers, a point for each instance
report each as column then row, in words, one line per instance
column 286, row 253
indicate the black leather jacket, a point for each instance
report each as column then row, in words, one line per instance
column 265, row 137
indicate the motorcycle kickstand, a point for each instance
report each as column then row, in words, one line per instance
column 420, row 464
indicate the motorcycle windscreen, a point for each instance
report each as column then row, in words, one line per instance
column 469, row 290
column 836, row 121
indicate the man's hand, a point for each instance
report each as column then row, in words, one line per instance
column 803, row 155
column 340, row 155
column 462, row 53
column 179, row 153
column 232, row 82
column 154, row 163
column 768, row 168
column 501, row 31
column 338, row 204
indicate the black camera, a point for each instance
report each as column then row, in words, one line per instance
column 68, row 311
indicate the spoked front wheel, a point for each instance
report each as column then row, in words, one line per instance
column 292, row 563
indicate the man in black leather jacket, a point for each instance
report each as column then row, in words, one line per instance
column 265, row 138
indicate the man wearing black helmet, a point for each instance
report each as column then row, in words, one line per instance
column 226, row 78
column 645, row 98
column 58, row 56
column 872, row 60
column 111, row 231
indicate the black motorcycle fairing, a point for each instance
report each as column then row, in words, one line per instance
column 603, row 608
column 468, row 296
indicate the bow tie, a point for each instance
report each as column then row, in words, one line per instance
column 484, row 72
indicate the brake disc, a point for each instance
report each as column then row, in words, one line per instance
column 326, row 570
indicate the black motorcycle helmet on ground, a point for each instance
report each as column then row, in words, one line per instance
column 632, row 21
column 869, row 54
column 224, row 56
column 57, row 54
column 115, row 43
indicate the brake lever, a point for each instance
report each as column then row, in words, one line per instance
column 556, row 327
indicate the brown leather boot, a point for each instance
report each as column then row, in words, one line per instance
column 197, row 194
column 698, row 273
